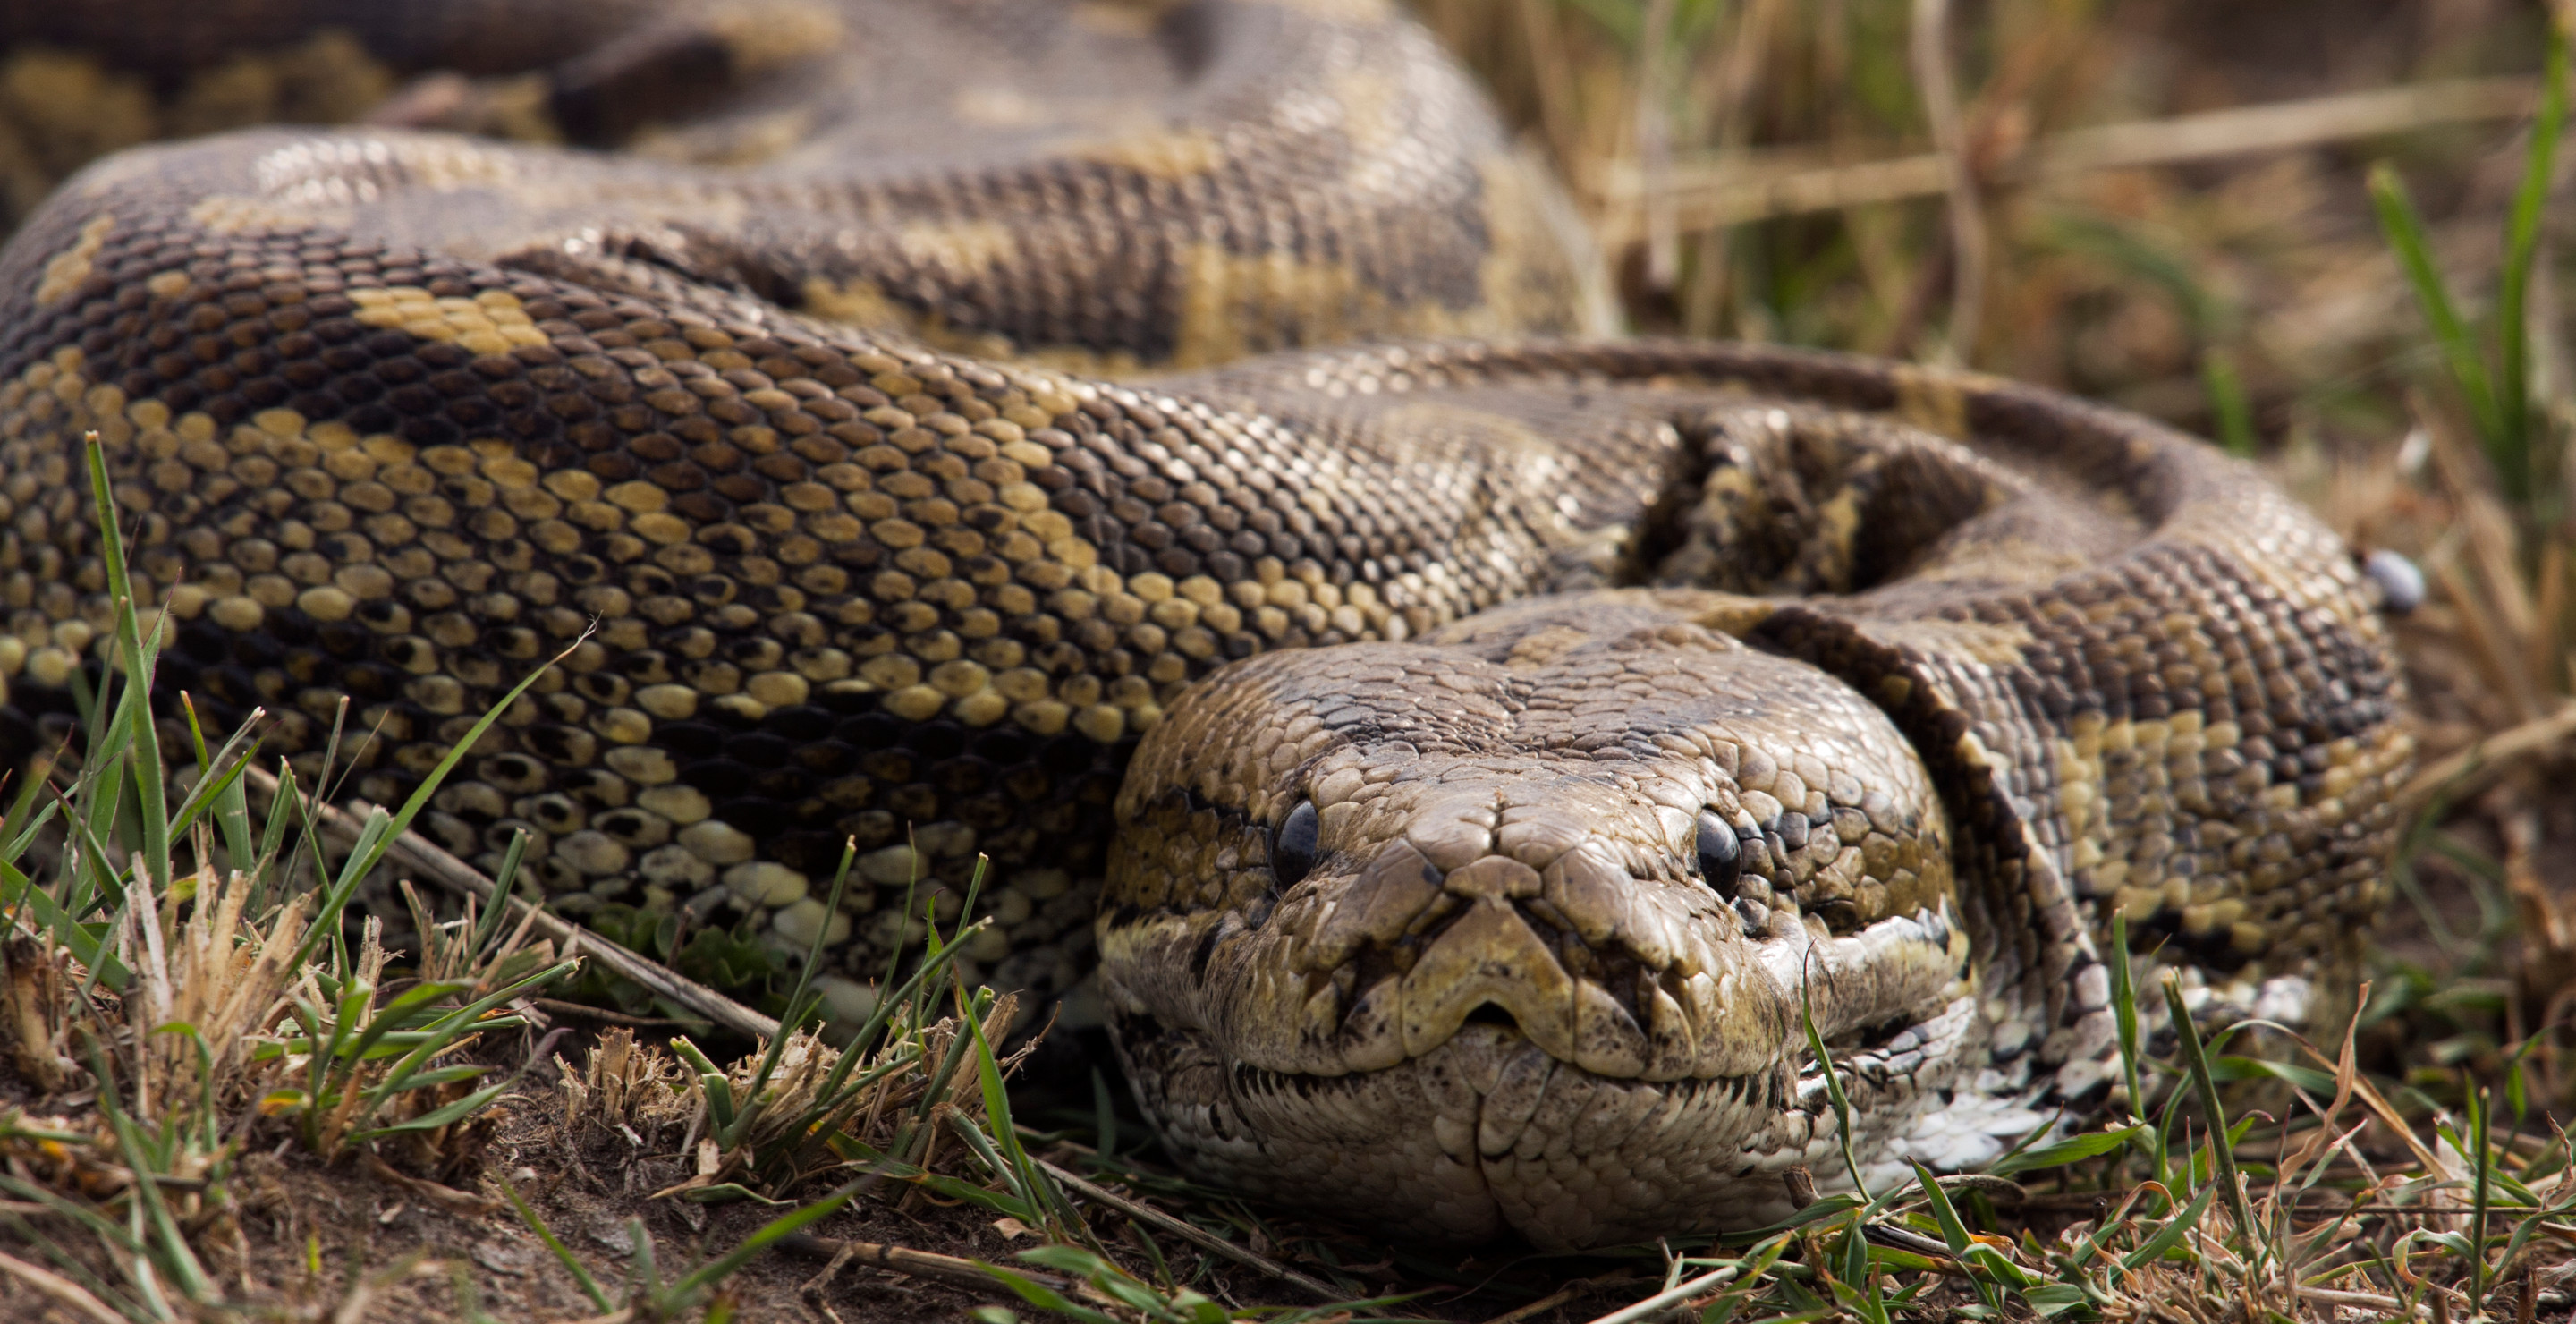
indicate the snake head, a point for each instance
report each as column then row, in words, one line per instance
column 1393, row 929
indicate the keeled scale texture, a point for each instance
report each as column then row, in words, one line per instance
column 397, row 416
column 2141, row 680
column 402, row 414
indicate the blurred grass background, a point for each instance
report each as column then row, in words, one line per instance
column 2165, row 205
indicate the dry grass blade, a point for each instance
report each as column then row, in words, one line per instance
column 219, row 975
column 71, row 1294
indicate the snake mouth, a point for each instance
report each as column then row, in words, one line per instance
column 1488, row 1133
column 1486, row 1066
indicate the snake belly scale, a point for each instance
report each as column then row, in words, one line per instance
column 1456, row 767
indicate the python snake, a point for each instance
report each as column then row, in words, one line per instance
column 1512, row 745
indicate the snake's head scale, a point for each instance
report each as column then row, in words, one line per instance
column 1609, row 846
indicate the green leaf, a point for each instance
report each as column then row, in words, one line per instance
column 580, row 1274
column 2404, row 227
column 2228, row 407
column 2195, row 1061
column 1833, row 1091
column 437, row 1117
column 2171, row 1234
column 776, row 1229
column 2510, row 446
column 2318, row 1084
column 2053, row 1299
column 2073, row 1149
column 402, row 1013
column 1044, row 1297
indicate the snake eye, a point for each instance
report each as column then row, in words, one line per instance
column 1292, row 846
column 1721, row 856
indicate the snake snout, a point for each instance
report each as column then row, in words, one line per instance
column 1577, row 924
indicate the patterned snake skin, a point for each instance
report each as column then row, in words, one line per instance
column 1518, row 738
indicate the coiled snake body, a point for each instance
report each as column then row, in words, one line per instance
column 1511, row 744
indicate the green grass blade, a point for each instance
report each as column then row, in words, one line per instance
column 1833, row 1092
column 31, row 816
column 380, row 832
column 645, row 1271
column 439, row 1116
column 775, row 1230
column 1047, row 1298
column 2124, row 1013
column 1954, row 1232
column 219, row 777
column 580, row 1274
column 1024, row 1200
column 2404, row 227
column 797, row 1007
column 2228, row 407
column 2073, row 1149
column 465, row 1020
column 2195, row 1061
column 174, row 1251
column 2172, row 1233
column 283, row 809
column 1104, row 1117
column 137, row 653
column 402, row 1013
column 487, row 930
column 2481, row 1188
column 2511, row 446
column 87, row 947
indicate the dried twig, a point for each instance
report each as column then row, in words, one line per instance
column 1655, row 143
column 426, row 858
column 2470, row 768
column 918, row 1263
column 1595, row 1283
column 1193, row 1234
column 1931, row 56
column 1672, row 1296
column 585, row 1011
column 1735, row 187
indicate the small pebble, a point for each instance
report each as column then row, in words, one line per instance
column 2401, row 583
